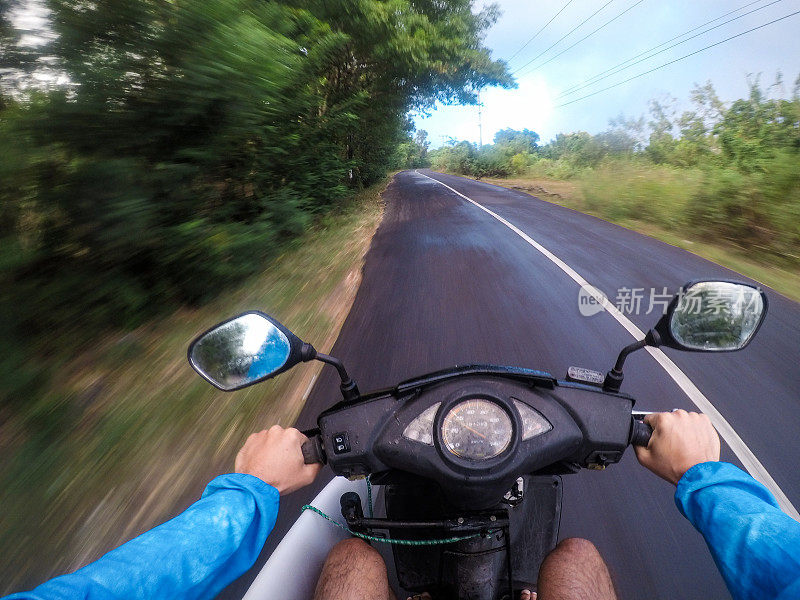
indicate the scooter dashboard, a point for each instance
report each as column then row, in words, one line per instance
column 474, row 435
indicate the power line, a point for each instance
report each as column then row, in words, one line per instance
column 676, row 60
column 668, row 41
column 619, row 68
column 535, row 35
column 552, row 58
column 562, row 37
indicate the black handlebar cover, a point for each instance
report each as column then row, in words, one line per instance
column 313, row 452
column 640, row 433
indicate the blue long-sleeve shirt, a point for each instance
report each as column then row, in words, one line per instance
column 195, row 555
column 755, row 544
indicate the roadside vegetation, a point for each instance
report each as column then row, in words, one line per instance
column 721, row 180
column 163, row 165
column 129, row 434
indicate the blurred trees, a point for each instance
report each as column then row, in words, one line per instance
column 512, row 142
column 192, row 139
column 412, row 153
column 17, row 59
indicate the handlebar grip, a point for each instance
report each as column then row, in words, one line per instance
column 313, row 452
column 640, row 433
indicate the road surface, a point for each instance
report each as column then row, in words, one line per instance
column 447, row 283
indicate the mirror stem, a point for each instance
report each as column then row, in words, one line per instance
column 348, row 386
column 614, row 377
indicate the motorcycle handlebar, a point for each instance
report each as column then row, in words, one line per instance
column 640, row 433
column 313, row 452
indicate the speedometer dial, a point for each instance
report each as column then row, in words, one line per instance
column 476, row 429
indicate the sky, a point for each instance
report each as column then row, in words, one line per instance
column 645, row 25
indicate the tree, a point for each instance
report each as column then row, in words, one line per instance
column 662, row 142
column 627, row 133
column 511, row 141
column 580, row 149
column 752, row 129
column 421, row 139
column 413, row 152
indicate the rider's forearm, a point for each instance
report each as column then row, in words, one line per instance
column 194, row 555
column 753, row 542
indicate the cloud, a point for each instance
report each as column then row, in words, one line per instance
column 534, row 104
column 528, row 107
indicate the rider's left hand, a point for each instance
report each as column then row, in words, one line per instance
column 275, row 457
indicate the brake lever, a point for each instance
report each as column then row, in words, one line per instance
column 639, row 415
column 641, row 431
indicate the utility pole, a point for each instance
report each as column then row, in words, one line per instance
column 480, row 123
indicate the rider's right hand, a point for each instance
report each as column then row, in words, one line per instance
column 275, row 457
column 680, row 440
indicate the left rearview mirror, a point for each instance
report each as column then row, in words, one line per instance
column 244, row 350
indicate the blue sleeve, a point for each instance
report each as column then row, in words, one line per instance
column 195, row 555
column 756, row 545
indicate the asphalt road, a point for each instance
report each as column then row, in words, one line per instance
column 445, row 283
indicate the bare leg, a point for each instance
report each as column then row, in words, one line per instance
column 574, row 570
column 353, row 571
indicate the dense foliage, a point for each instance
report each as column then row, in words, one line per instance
column 511, row 152
column 743, row 159
column 192, row 138
column 412, row 153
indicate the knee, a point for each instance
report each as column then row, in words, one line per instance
column 577, row 547
column 575, row 569
column 353, row 570
column 356, row 550
column 572, row 551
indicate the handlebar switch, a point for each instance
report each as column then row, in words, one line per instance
column 600, row 458
column 341, row 443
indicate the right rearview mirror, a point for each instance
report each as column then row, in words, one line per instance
column 705, row 316
column 713, row 316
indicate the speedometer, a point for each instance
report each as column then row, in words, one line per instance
column 476, row 429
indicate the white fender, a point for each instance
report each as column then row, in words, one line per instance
column 293, row 568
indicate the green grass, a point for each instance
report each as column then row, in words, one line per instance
column 631, row 192
column 782, row 279
column 128, row 434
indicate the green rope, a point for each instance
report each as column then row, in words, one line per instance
column 369, row 497
column 373, row 538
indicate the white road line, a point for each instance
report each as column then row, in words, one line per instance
column 749, row 460
column 308, row 389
